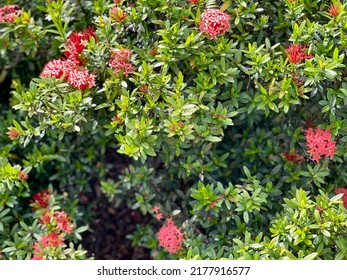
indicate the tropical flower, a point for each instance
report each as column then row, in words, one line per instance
column 76, row 43
column 41, row 200
column 319, row 143
column 117, row 14
column 334, row 10
column 23, row 176
column 80, row 79
column 52, row 240
column 296, row 53
column 9, row 13
column 120, row 62
column 170, row 237
column 57, row 68
column 13, row 133
column 214, row 22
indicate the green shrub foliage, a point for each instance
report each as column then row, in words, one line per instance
column 223, row 120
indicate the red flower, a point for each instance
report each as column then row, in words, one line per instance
column 52, row 240
column 77, row 77
column 13, row 133
column 334, row 10
column 170, row 237
column 64, row 222
column 319, row 143
column 23, row 176
column 57, row 68
column 344, row 197
column 159, row 216
column 80, row 79
column 76, row 43
column 119, row 62
column 194, row 2
column 41, row 200
column 214, row 22
column 296, row 53
column 117, row 14
column 46, row 217
column 9, row 13
column 60, row 221
column 156, row 209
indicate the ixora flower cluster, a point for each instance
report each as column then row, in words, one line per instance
column 56, row 223
column 9, row 13
column 335, row 10
column 214, row 22
column 71, row 66
column 319, row 143
column 170, row 236
column 297, row 53
column 117, row 14
column 120, row 62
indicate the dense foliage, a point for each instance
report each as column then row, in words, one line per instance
column 231, row 112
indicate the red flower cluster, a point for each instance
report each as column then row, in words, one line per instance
column 23, row 176
column 71, row 66
column 9, row 13
column 52, row 240
column 64, row 222
column 77, row 77
column 194, row 2
column 117, row 14
column 334, row 10
column 40, row 200
column 57, row 224
column 13, row 133
column 214, row 22
column 170, row 237
column 319, row 143
column 57, row 68
column 59, row 221
column 344, row 197
column 296, row 53
column 119, row 62
column 76, row 43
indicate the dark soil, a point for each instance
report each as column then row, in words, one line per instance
column 107, row 239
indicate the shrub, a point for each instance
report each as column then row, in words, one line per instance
column 231, row 113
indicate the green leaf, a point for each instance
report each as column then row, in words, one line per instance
column 326, row 232
column 311, row 256
column 213, row 138
column 247, row 172
column 246, row 217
